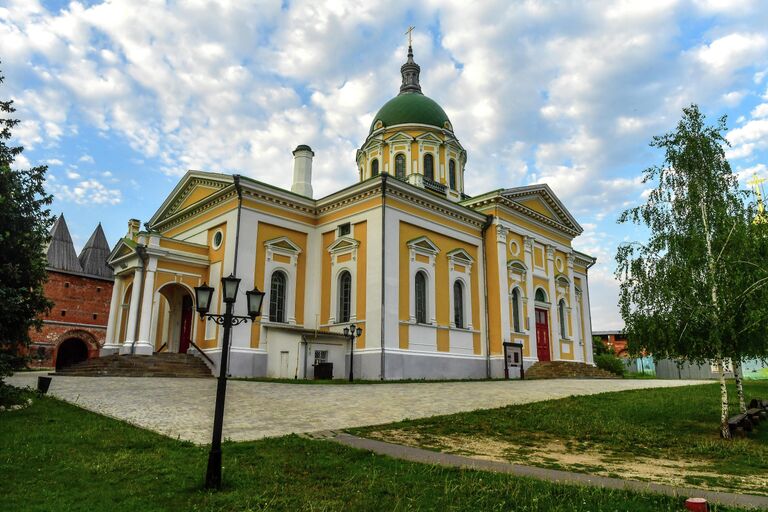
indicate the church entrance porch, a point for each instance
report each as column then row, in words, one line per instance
column 542, row 335
column 174, row 313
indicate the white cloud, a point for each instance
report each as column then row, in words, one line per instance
column 53, row 161
column 558, row 92
column 87, row 192
column 728, row 53
column 86, row 158
column 72, row 175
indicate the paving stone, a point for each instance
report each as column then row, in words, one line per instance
column 183, row 408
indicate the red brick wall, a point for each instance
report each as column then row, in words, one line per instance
column 85, row 303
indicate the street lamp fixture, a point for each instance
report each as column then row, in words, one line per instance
column 352, row 332
column 203, row 295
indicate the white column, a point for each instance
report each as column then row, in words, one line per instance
column 555, row 329
column 575, row 333
column 110, row 343
column 144, row 344
column 587, row 312
column 501, row 245
column 133, row 311
column 529, row 295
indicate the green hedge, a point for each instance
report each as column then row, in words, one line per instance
column 611, row 363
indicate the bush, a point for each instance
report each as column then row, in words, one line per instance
column 611, row 363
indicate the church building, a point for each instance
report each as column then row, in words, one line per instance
column 440, row 282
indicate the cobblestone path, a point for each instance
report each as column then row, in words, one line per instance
column 183, row 408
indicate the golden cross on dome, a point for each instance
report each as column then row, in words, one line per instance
column 409, row 33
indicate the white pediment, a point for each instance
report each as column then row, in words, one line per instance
column 423, row 244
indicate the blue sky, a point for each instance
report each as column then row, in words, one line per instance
column 120, row 98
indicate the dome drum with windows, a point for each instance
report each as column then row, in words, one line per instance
column 412, row 139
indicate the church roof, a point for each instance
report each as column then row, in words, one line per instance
column 411, row 106
column 61, row 251
column 93, row 257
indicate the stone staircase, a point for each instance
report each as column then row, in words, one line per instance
column 566, row 370
column 162, row 364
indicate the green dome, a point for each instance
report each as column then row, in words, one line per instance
column 411, row 108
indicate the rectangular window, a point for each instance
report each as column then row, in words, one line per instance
column 321, row 356
column 345, row 229
column 63, row 313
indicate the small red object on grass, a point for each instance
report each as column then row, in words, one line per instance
column 697, row 505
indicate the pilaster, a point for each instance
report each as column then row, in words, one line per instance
column 553, row 316
column 529, row 295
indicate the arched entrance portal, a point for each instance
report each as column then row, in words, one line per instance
column 71, row 351
column 175, row 311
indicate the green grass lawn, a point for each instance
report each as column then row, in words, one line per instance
column 55, row 456
column 673, row 424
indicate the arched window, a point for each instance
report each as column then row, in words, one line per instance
column 452, row 174
column 516, row 310
column 429, row 167
column 345, row 296
column 458, row 304
column 540, row 295
column 561, row 314
column 375, row 167
column 421, row 297
column 400, row 166
column 277, row 297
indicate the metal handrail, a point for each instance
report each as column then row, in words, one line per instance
column 200, row 351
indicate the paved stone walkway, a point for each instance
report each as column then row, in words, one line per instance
column 553, row 475
column 183, row 408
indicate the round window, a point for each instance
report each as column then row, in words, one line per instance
column 514, row 248
column 559, row 264
column 218, row 237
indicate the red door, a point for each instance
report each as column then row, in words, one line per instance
column 186, row 324
column 542, row 335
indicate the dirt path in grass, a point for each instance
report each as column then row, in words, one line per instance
column 555, row 454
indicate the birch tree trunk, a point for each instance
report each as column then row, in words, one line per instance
column 736, row 363
column 725, row 432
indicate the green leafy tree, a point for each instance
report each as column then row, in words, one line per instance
column 744, row 291
column 25, row 222
column 678, row 290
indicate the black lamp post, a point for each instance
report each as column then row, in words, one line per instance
column 352, row 332
column 203, row 296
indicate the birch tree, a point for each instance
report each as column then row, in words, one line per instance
column 670, row 286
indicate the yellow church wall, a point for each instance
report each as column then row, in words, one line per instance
column 538, row 257
column 443, row 340
column 493, row 291
column 518, row 239
column 403, row 328
column 178, row 245
column 215, row 255
column 176, row 267
column 476, row 343
column 563, row 355
column 442, row 298
column 361, row 235
column 269, row 232
column 325, row 276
